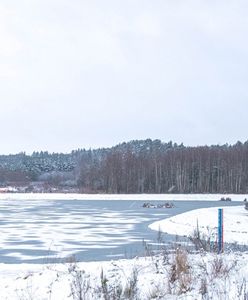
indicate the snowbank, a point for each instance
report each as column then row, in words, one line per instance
column 235, row 223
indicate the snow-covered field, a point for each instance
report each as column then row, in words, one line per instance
column 167, row 276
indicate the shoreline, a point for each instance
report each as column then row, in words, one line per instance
column 109, row 197
column 235, row 222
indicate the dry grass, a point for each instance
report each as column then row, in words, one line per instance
column 179, row 273
column 219, row 268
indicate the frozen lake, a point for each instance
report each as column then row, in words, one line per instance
column 42, row 231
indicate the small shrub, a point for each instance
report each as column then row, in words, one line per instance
column 147, row 249
column 157, row 292
column 202, row 241
column 130, row 291
column 80, row 283
column 179, row 274
column 204, row 287
column 104, row 286
column 110, row 291
column 242, row 293
column 221, row 269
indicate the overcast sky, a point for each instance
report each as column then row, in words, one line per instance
column 79, row 74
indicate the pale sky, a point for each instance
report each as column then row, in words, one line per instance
column 80, row 74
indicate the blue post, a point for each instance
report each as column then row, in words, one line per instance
column 220, row 230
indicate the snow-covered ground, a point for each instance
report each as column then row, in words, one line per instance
column 235, row 220
column 167, row 276
column 142, row 197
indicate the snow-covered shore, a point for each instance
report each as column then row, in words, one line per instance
column 235, row 221
column 141, row 197
column 169, row 276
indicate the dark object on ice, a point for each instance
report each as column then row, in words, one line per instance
column 165, row 205
column 246, row 203
column 225, row 199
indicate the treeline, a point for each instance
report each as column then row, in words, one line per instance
column 37, row 163
column 142, row 166
column 156, row 167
